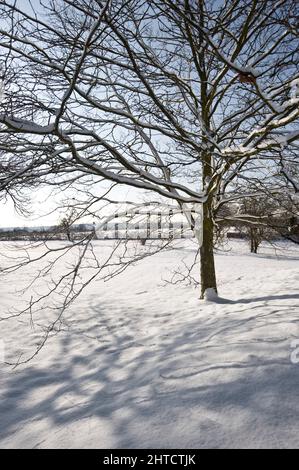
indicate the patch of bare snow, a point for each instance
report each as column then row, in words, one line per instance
column 141, row 364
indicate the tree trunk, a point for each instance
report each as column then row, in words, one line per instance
column 207, row 264
column 251, row 242
column 254, row 243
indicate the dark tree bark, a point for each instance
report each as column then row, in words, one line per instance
column 207, row 263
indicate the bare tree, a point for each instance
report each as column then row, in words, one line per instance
column 260, row 213
column 184, row 99
column 67, row 221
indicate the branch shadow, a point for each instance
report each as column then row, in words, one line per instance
column 265, row 298
column 168, row 390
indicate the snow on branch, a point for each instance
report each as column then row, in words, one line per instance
column 21, row 125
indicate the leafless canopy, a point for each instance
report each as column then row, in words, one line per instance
column 185, row 99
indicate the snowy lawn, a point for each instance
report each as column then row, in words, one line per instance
column 143, row 365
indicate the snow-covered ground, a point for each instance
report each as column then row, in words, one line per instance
column 141, row 364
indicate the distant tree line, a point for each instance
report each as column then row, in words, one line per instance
column 54, row 232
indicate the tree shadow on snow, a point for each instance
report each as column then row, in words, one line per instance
column 172, row 389
column 265, row 298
